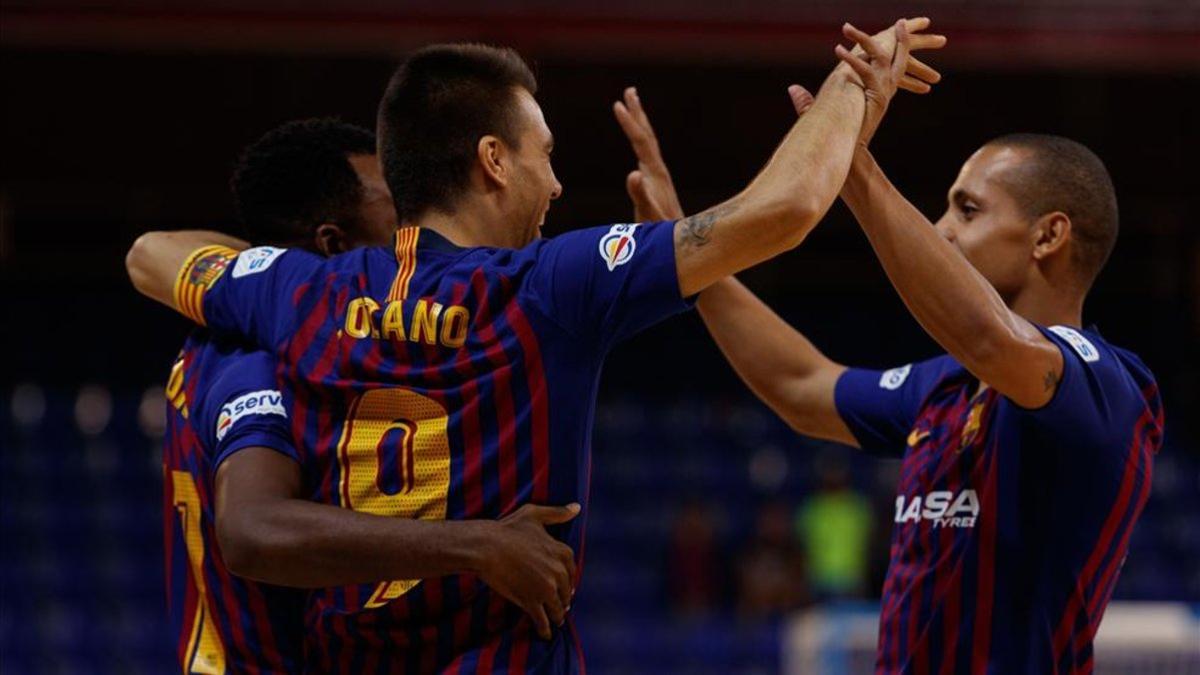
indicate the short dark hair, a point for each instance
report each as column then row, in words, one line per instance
column 437, row 106
column 1064, row 175
column 298, row 176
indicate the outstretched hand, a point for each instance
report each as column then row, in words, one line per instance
column 649, row 186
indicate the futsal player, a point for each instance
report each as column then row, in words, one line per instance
column 454, row 375
column 1027, row 450
column 314, row 184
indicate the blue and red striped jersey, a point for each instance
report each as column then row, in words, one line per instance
column 221, row 399
column 1011, row 525
column 439, row 382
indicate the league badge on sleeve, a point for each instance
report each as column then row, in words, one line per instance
column 255, row 260
column 895, row 377
column 617, row 247
column 1082, row 346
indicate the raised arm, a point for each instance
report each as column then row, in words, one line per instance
column 799, row 183
column 269, row 532
column 776, row 361
column 952, row 301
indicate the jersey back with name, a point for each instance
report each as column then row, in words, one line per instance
column 1011, row 525
column 440, row 382
column 220, row 399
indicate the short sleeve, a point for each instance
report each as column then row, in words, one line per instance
column 246, row 408
column 248, row 294
column 608, row 282
column 1095, row 398
column 881, row 406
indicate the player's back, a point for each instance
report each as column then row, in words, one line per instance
column 221, row 398
column 439, row 382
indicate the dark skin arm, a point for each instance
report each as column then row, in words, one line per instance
column 269, row 532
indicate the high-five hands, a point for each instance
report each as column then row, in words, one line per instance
column 881, row 64
column 878, row 64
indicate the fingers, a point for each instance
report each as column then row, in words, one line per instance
column 802, row 99
column 869, row 45
column 920, row 23
column 900, row 59
column 556, row 612
column 541, row 623
column 551, row 515
column 635, row 186
column 645, row 206
column 634, row 131
column 565, row 586
column 921, row 41
column 633, row 120
column 634, row 103
column 921, row 71
column 912, row 84
column 860, row 67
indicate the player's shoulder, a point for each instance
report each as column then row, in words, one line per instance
column 1091, row 348
column 236, row 374
column 1108, row 367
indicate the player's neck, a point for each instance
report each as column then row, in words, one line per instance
column 467, row 225
column 1046, row 307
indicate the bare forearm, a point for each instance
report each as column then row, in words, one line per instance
column 951, row 300
column 292, row 542
column 779, row 364
column 787, row 199
column 154, row 260
column 811, row 164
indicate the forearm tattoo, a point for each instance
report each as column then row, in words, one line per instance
column 696, row 231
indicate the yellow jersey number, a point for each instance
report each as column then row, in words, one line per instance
column 205, row 654
column 395, row 461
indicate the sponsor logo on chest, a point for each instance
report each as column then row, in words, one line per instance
column 942, row 508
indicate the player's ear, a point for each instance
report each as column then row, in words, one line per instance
column 330, row 239
column 1051, row 233
column 491, row 155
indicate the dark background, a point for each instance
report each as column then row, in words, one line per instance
column 126, row 118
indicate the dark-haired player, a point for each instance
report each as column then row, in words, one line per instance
column 236, row 502
column 1027, row 450
column 456, row 372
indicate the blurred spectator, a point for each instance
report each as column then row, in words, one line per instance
column 834, row 525
column 695, row 571
column 770, row 570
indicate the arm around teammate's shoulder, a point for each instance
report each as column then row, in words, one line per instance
column 155, row 258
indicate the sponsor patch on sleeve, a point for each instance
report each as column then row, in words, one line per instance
column 617, row 247
column 1082, row 346
column 264, row 402
column 255, row 260
column 892, row 379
